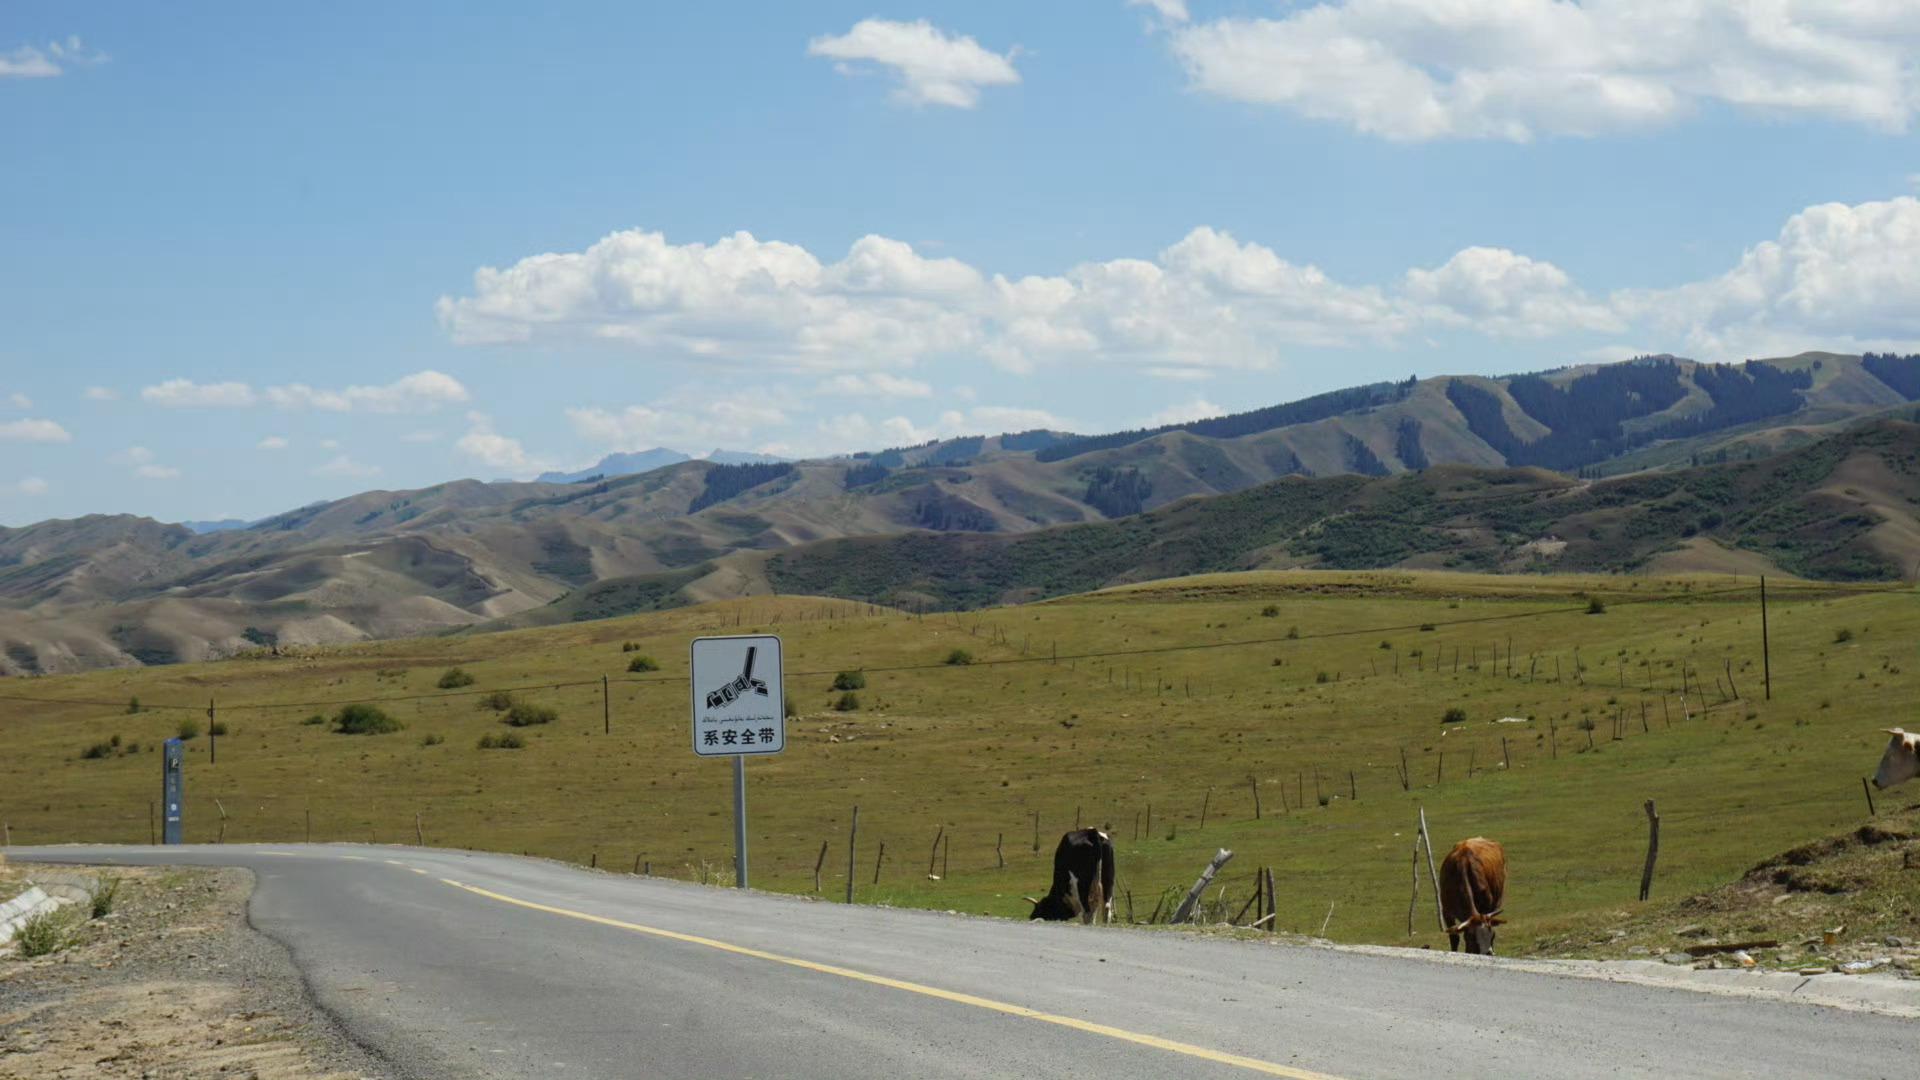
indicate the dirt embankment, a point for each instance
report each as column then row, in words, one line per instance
column 171, row 983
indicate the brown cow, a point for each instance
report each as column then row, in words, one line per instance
column 1473, row 890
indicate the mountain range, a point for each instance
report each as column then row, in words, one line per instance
column 1804, row 464
column 630, row 463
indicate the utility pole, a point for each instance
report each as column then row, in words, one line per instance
column 1766, row 650
column 213, row 737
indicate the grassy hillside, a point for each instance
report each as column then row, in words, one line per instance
column 1171, row 695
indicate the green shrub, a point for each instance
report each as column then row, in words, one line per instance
column 1455, row 715
column 525, row 715
column 133, row 747
column 133, row 705
column 1388, row 645
column 849, row 702
column 506, row 740
column 364, row 719
column 314, row 721
column 1293, row 633
column 1271, row 611
column 41, row 935
column 850, row 680
column 115, row 741
column 454, row 679
column 1595, row 607
column 432, row 740
column 1322, row 677
column 102, row 898
column 959, row 658
column 1842, row 636
column 218, row 727
column 1426, row 626
column 643, row 662
column 97, row 751
column 189, row 729
column 498, row 701
column 629, row 646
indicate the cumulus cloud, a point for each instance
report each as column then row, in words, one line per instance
column 1183, row 413
column 45, row 62
column 272, row 442
column 1207, row 301
column 101, row 393
column 1837, row 276
column 31, row 485
column 144, row 464
column 422, row 391
column 931, row 66
column 343, row 465
column 31, row 430
column 484, row 444
column 1498, row 292
column 19, row 400
column 185, row 393
column 669, row 423
column 1174, row 11
column 1519, row 69
column 877, row 384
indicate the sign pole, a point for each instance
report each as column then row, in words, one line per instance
column 740, row 820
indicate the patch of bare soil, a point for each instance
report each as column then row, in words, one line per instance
column 172, row 983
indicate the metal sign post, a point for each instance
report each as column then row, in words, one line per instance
column 739, row 708
column 172, row 792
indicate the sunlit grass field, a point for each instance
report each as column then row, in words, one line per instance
column 1178, row 696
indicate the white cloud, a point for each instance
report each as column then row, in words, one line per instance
column 1174, row 11
column 420, row 437
column 272, row 442
column 877, row 384
column 344, row 465
column 933, row 68
column 1182, row 413
column 487, row 446
column 156, row 472
column 19, row 401
column 855, row 431
column 1002, row 419
column 1498, row 292
column 40, row 431
column 1518, row 69
column 1836, row 277
column 329, row 444
column 32, row 485
column 101, row 393
column 144, row 464
column 185, row 393
column 639, row 427
column 36, row 62
column 422, row 391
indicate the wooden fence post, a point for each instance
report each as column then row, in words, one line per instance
column 1000, row 855
column 1414, row 901
column 1406, row 781
column 1036, row 832
column 853, row 836
column 878, row 858
column 1506, row 759
column 933, row 857
column 1185, row 910
column 1273, row 903
column 1353, row 787
column 817, row 865
column 1868, row 788
column 1204, row 803
column 1254, row 786
column 419, row 836
column 1653, row 850
column 1426, row 839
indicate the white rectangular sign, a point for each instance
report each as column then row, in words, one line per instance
column 738, row 703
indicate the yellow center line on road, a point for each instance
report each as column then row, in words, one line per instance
column 1187, row 1049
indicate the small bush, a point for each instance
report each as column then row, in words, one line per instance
column 1325, row 799
column 114, row 741
column 1293, row 633
column 103, row 896
column 133, row 747
column 498, row 701
column 506, row 740
column 1322, row 677
column 849, row 702
column 643, row 662
column 959, row 658
column 432, row 740
column 524, row 715
column 1271, row 611
column 218, row 727
column 454, row 679
column 629, row 646
column 1455, row 715
column 97, row 751
column 850, row 680
column 1595, row 607
column 1586, row 723
column 41, row 935
column 363, row 719
column 314, row 721
column 1426, row 626
column 189, row 729
column 133, row 705
column 1842, row 636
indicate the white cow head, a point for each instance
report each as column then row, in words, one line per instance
column 1901, row 762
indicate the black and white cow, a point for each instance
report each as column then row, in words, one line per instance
column 1082, row 879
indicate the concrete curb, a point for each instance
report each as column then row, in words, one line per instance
column 15, row 912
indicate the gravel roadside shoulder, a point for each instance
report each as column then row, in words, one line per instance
column 172, row 983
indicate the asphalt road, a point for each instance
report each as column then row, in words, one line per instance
column 451, row 964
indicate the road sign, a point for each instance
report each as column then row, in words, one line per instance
column 738, row 703
column 171, row 793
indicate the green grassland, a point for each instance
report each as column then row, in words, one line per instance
column 1173, row 694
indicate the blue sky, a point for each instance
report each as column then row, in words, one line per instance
column 257, row 255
